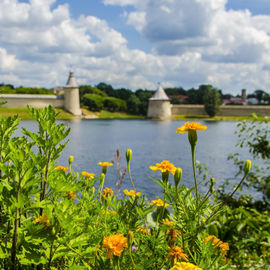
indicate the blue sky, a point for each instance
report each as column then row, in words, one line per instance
column 137, row 43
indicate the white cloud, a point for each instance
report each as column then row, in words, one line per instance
column 7, row 62
column 193, row 42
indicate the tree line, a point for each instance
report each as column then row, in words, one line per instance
column 104, row 97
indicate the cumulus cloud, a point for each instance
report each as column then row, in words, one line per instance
column 193, row 42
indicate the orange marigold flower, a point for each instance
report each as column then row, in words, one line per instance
column 114, row 245
column 168, row 222
column 159, row 203
column 143, row 231
column 193, row 126
column 43, row 219
column 61, row 168
column 185, row 266
column 105, row 164
column 176, row 253
column 164, row 166
column 224, row 247
column 107, row 192
column 172, row 236
column 87, row 174
column 132, row 193
column 71, row 195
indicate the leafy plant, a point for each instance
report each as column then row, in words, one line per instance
column 52, row 217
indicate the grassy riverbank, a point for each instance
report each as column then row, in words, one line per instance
column 215, row 118
column 23, row 113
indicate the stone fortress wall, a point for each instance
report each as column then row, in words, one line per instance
column 37, row 101
column 69, row 101
column 225, row 110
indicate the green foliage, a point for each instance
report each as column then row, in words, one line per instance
column 93, row 102
column 255, row 136
column 114, row 104
column 7, row 89
column 212, row 100
column 175, row 91
column 248, row 232
column 245, row 223
column 175, row 100
column 88, row 89
column 143, row 96
column 52, row 217
column 133, row 104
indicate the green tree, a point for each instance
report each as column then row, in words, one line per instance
column 212, row 100
column 113, row 104
column 88, row 89
column 133, row 104
column 143, row 96
column 93, row 102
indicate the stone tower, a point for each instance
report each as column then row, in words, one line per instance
column 159, row 106
column 71, row 96
column 244, row 94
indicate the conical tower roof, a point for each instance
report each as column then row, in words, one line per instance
column 71, row 82
column 160, row 94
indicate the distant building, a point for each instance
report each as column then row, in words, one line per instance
column 71, row 96
column 235, row 100
column 159, row 106
column 68, row 98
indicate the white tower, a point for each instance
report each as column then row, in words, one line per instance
column 159, row 106
column 71, row 96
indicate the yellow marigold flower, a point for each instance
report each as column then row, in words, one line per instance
column 168, row 222
column 87, row 174
column 193, row 126
column 224, row 247
column 132, row 193
column 143, row 231
column 61, row 168
column 107, row 192
column 159, row 203
column 114, row 245
column 71, row 195
column 43, row 219
column 164, row 166
column 185, row 266
column 176, row 253
column 105, row 164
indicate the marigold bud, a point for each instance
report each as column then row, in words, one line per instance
column 247, row 167
column 128, row 155
column 102, row 178
column 212, row 182
column 70, row 160
column 192, row 137
column 177, row 176
column 130, row 237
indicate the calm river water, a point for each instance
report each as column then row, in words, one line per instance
column 91, row 141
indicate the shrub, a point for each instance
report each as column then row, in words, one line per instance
column 114, row 104
column 88, row 89
column 93, row 102
column 25, row 90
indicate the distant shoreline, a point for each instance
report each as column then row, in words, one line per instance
column 63, row 115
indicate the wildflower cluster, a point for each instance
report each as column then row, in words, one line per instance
column 91, row 226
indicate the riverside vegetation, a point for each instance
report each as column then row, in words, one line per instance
column 52, row 217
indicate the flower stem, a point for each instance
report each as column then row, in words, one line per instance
column 133, row 263
column 194, row 170
column 129, row 174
